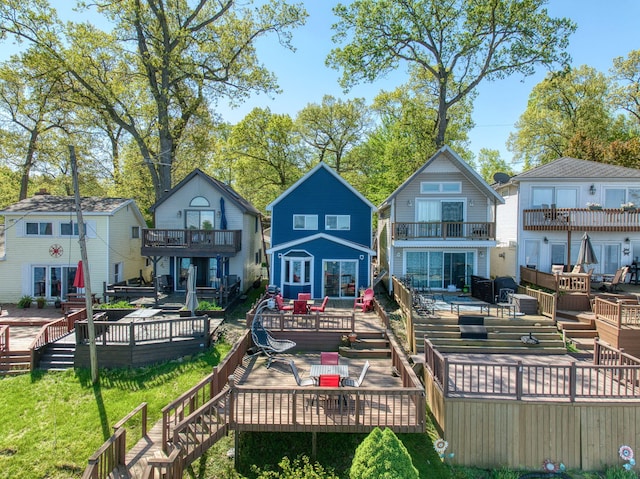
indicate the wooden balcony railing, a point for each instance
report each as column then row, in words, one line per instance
column 572, row 219
column 519, row 380
column 617, row 313
column 171, row 242
column 438, row 230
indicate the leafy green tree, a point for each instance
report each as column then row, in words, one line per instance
column 563, row 107
column 626, row 93
column 161, row 63
column 269, row 156
column 333, row 128
column 383, row 456
column 490, row 163
column 451, row 45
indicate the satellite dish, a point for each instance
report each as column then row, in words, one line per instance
column 501, row 178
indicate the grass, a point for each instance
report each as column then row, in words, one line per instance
column 53, row 422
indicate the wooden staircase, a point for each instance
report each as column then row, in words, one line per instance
column 57, row 357
column 367, row 346
column 503, row 336
column 578, row 328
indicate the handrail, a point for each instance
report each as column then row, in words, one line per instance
column 142, row 408
column 619, row 314
column 519, row 380
column 201, row 393
column 327, row 321
column 108, row 457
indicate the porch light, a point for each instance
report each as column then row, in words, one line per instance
column 546, row 240
column 409, row 203
column 627, row 240
column 592, row 190
column 179, row 213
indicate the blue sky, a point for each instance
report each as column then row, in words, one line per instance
column 606, row 29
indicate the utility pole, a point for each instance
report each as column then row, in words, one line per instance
column 93, row 353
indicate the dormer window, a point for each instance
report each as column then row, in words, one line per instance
column 199, row 201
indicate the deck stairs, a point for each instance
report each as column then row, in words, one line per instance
column 57, row 357
column 367, row 346
column 503, row 336
column 578, row 328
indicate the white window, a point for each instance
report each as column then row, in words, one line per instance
column 337, row 222
column 305, row 222
column 297, row 268
column 547, row 197
column 200, row 219
column 440, row 187
column 615, row 197
column 39, row 229
column 117, row 272
column 71, row 229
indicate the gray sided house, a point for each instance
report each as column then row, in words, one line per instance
column 437, row 228
column 549, row 208
column 204, row 222
column 321, row 237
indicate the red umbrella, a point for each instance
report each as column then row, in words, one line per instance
column 78, row 281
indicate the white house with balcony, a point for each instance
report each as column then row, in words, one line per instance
column 548, row 209
column 438, row 227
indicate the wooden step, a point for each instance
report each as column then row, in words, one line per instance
column 364, row 353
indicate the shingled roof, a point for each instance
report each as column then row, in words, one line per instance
column 43, row 203
column 572, row 168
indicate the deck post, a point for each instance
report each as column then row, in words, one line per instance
column 445, row 377
column 232, row 400
column 314, row 445
column 572, row 382
column 519, row 381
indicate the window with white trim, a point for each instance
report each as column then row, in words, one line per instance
column 305, row 222
column 440, row 187
column 39, row 229
column 71, row 229
column 297, row 268
column 337, row 222
column 135, row 232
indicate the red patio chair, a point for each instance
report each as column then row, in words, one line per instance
column 329, row 380
column 365, row 301
column 304, row 296
column 299, row 307
column 320, row 309
column 329, row 358
column 280, row 304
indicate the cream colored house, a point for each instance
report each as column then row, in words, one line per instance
column 41, row 249
column 438, row 227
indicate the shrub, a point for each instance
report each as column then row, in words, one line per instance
column 382, row 455
column 25, row 301
column 207, row 306
column 300, row 468
column 116, row 305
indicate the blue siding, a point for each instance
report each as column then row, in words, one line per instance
column 321, row 194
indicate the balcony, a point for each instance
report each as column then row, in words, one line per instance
column 201, row 243
column 576, row 219
column 443, row 230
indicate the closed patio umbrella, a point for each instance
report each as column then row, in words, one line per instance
column 586, row 254
column 191, row 302
column 223, row 216
column 78, row 280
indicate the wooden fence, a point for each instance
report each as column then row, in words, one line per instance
column 566, row 282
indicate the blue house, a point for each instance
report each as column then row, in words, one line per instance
column 321, row 235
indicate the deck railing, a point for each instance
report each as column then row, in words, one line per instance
column 204, row 391
column 112, row 454
column 619, row 314
column 222, row 241
column 141, row 332
column 442, row 230
column 604, row 354
column 278, row 321
column 520, row 380
column 546, row 301
column 566, row 282
column 4, row 338
column 577, row 219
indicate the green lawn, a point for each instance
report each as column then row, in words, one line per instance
column 52, row 422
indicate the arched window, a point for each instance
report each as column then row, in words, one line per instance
column 199, row 201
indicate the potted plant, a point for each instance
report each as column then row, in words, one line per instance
column 25, row 301
column 628, row 206
column 41, row 301
column 594, row 206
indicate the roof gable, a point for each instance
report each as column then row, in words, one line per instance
column 312, row 172
column 460, row 164
column 223, row 188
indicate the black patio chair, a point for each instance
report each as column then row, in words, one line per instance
column 263, row 340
